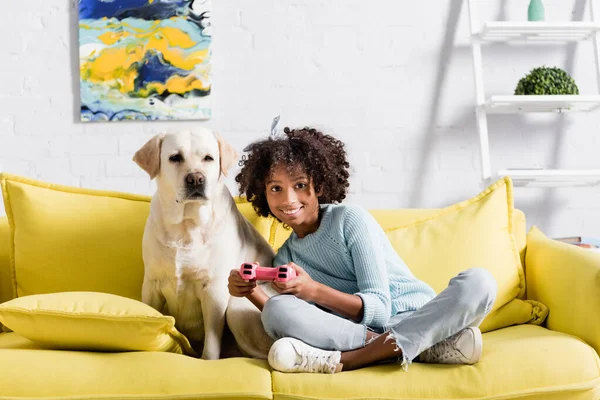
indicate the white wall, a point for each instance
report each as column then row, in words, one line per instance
column 393, row 79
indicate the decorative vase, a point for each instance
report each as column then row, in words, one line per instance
column 535, row 12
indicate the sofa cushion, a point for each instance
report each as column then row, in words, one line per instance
column 265, row 226
column 92, row 321
column 28, row 372
column 65, row 238
column 520, row 362
column 477, row 232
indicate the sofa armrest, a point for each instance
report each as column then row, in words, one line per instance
column 566, row 279
column 6, row 289
column 5, row 278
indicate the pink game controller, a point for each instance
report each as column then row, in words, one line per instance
column 282, row 273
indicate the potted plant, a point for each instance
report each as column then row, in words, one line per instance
column 546, row 81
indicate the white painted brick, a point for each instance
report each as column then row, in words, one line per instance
column 109, row 129
column 591, row 222
column 28, row 22
column 17, row 166
column 87, row 166
column 239, row 41
column 388, row 158
column 380, row 180
column 52, row 166
column 129, row 144
column 560, row 224
column 83, row 145
column 28, row 148
column 7, row 125
column 42, row 123
column 354, row 181
column 330, row 15
column 308, row 3
column 419, row 160
column 56, row 170
column 385, row 45
column 456, row 186
column 459, row 158
column 59, row 146
column 28, row 8
column 93, row 145
column 123, row 166
column 586, row 201
column 378, row 201
column 224, row 19
column 341, row 39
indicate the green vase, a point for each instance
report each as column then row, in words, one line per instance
column 535, row 12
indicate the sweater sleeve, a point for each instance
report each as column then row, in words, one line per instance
column 362, row 233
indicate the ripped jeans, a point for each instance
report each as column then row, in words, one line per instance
column 465, row 302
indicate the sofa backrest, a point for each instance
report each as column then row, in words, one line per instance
column 271, row 229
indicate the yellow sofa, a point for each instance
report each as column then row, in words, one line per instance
column 52, row 247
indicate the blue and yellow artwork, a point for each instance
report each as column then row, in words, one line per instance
column 145, row 59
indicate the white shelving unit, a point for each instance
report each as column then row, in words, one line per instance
column 552, row 177
column 531, row 33
column 532, row 103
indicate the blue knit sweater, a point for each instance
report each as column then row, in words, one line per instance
column 351, row 253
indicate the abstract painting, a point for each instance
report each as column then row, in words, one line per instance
column 145, row 59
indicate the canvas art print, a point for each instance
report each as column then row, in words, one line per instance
column 145, row 59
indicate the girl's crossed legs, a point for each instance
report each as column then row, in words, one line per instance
column 443, row 330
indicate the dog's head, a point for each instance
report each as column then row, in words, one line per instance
column 187, row 165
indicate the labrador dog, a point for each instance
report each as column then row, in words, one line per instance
column 194, row 236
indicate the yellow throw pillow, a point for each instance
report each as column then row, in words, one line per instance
column 92, row 321
column 72, row 239
column 265, row 226
column 270, row 228
column 474, row 233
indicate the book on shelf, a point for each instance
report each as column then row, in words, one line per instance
column 581, row 241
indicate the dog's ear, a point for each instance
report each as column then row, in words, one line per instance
column 148, row 157
column 227, row 154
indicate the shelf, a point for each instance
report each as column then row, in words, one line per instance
column 537, row 31
column 552, row 177
column 546, row 103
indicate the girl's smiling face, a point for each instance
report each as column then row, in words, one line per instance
column 292, row 199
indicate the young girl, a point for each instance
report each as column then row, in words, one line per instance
column 354, row 302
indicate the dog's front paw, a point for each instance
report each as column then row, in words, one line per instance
column 210, row 354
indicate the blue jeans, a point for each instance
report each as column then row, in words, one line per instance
column 465, row 302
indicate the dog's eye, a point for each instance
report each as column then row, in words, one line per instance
column 208, row 158
column 176, row 158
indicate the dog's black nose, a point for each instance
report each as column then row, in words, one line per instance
column 194, row 179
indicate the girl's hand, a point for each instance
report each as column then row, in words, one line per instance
column 302, row 286
column 238, row 287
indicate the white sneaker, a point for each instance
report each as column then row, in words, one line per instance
column 462, row 348
column 293, row 355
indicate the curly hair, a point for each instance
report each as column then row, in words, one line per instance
column 320, row 156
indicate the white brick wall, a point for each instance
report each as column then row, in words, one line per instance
column 393, row 79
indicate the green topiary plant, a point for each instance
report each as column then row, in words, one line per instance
column 545, row 80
